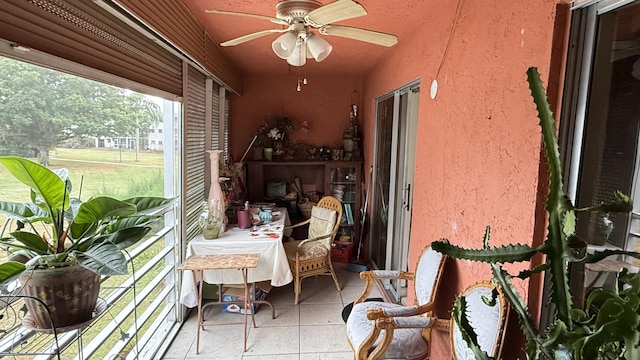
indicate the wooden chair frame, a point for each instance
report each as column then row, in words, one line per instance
column 418, row 316
column 504, row 311
column 315, row 266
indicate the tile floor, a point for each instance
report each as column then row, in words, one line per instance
column 311, row 330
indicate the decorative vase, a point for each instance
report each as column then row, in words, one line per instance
column 211, row 220
column 215, row 190
column 268, row 153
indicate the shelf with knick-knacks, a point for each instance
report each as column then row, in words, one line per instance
column 339, row 178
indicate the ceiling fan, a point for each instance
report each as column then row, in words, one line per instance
column 299, row 17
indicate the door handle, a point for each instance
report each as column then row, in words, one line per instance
column 407, row 198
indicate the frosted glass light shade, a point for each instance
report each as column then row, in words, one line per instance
column 319, row 47
column 299, row 55
column 284, row 45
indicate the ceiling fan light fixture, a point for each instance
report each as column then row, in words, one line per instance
column 318, row 47
column 284, row 45
column 298, row 56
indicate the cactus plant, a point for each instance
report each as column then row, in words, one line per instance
column 608, row 328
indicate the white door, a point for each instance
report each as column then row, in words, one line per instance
column 392, row 193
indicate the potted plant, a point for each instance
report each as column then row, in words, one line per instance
column 609, row 325
column 66, row 244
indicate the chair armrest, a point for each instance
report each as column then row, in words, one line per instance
column 317, row 238
column 404, row 320
column 372, row 275
column 408, row 322
column 305, row 222
column 399, row 312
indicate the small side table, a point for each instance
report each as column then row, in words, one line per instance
column 199, row 263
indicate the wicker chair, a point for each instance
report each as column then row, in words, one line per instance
column 312, row 256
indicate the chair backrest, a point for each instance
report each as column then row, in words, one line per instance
column 331, row 203
column 428, row 270
column 322, row 223
column 487, row 321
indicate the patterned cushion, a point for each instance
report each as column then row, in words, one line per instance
column 312, row 249
column 322, row 223
column 427, row 273
column 407, row 343
column 484, row 319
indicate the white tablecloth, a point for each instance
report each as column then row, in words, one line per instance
column 273, row 264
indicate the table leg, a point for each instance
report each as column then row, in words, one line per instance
column 247, row 303
column 200, row 274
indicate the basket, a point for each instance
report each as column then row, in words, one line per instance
column 341, row 251
column 305, row 209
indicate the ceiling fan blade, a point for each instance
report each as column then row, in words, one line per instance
column 333, row 12
column 248, row 37
column 255, row 16
column 370, row 36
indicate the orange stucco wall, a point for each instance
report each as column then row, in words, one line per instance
column 478, row 141
column 478, row 152
column 322, row 102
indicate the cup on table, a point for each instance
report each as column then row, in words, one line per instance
column 244, row 219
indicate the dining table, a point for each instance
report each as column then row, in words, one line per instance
column 264, row 239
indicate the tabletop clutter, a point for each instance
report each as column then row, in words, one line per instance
column 261, row 231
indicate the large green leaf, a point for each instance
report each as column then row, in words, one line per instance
column 105, row 259
column 102, row 207
column 468, row 333
column 148, row 204
column 25, row 212
column 127, row 237
column 40, row 179
column 32, row 242
column 506, row 253
column 10, row 271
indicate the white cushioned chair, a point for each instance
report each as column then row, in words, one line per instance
column 312, row 256
column 381, row 330
column 488, row 322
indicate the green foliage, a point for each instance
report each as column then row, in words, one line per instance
column 41, row 108
column 147, row 185
column 62, row 228
column 610, row 326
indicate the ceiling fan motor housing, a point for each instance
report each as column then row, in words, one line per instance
column 295, row 9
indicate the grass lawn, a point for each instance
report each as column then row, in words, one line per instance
column 98, row 172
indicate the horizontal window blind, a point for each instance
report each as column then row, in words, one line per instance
column 83, row 32
column 173, row 21
column 194, row 164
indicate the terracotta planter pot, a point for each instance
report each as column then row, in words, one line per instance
column 70, row 293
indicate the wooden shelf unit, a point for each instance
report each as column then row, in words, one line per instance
column 322, row 175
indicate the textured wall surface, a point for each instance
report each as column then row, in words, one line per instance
column 478, row 151
column 478, row 141
column 323, row 103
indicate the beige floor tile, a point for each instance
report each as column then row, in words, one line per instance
column 326, row 338
column 274, row 357
column 327, row 356
column 319, row 295
column 312, row 330
column 274, row 341
column 321, row 314
column 220, row 341
column 286, row 315
column 281, row 295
